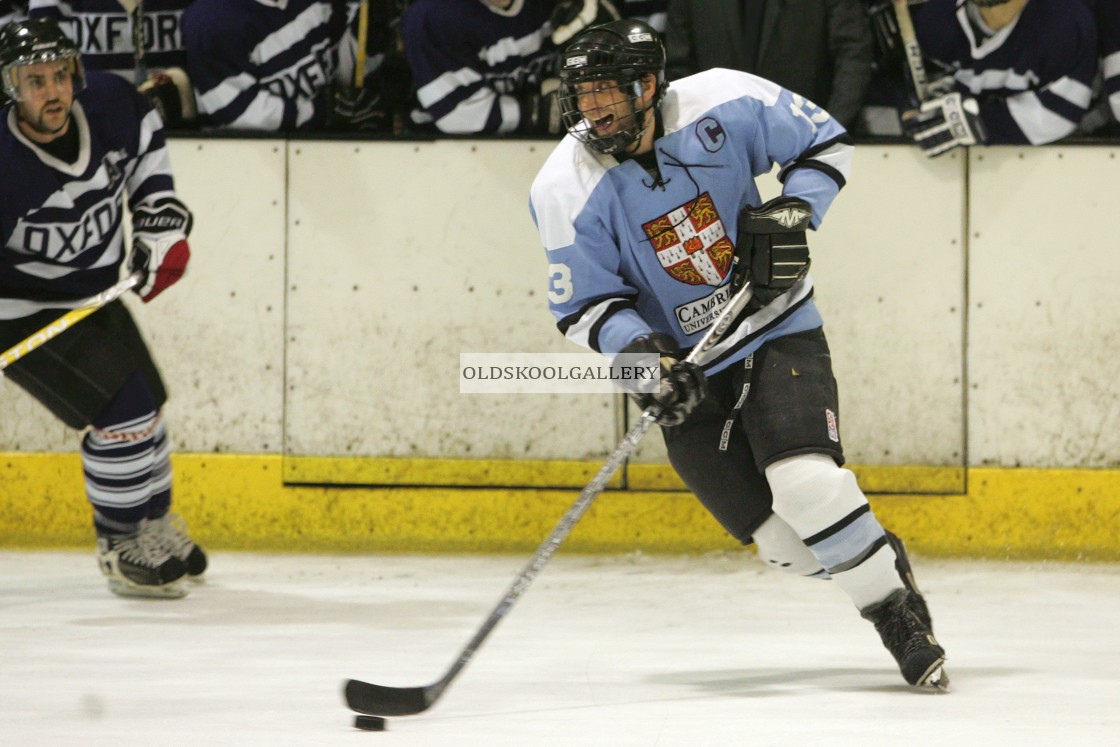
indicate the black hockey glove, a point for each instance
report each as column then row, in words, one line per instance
column 683, row 384
column 358, row 110
column 771, row 249
column 572, row 16
column 944, row 123
column 540, row 109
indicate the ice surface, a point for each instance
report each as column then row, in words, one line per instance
column 612, row 651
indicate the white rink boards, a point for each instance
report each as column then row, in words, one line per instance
column 333, row 285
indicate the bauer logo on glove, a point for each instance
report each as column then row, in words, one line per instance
column 159, row 245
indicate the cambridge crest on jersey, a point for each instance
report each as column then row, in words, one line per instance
column 691, row 242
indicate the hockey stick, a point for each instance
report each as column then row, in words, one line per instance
column 67, row 320
column 379, row 700
column 135, row 10
column 913, row 52
column 360, row 50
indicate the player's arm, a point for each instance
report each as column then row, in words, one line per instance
column 1108, row 41
column 229, row 92
column 1053, row 111
column 594, row 306
column 449, row 85
column 813, row 150
column 161, row 223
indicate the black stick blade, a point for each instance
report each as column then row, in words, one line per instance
column 375, row 700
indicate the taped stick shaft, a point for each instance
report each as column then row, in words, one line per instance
column 913, row 51
column 379, row 700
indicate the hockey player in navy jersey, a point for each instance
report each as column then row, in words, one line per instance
column 264, row 64
column 1021, row 72
column 138, row 40
column 12, row 10
column 103, row 31
column 643, row 209
column 75, row 147
column 481, row 66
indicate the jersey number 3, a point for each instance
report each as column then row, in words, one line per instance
column 559, row 283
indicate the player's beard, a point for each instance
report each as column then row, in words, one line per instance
column 51, row 120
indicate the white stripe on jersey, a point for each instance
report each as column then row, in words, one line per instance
column 580, row 332
column 558, row 231
column 992, row 79
column 1039, row 124
column 446, row 83
column 221, row 95
column 763, row 318
column 837, row 156
column 527, row 46
column 281, row 40
column 719, row 87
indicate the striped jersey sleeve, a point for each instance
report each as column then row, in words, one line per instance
column 1033, row 78
column 471, row 64
column 263, row 65
column 61, row 224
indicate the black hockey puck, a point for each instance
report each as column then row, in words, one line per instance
column 369, row 723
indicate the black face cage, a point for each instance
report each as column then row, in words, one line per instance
column 630, row 116
column 604, row 64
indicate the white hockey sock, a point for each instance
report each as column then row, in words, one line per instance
column 823, row 504
column 779, row 547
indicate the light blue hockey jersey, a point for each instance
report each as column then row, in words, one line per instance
column 628, row 254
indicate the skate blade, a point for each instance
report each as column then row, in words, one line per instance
column 125, row 588
column 937, row 679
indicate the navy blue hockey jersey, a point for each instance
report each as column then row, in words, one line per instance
column 10, row 11
column 1033, row 78
column 263, row 64
column 103, row 32
column 653, row 12
column 471, row 62
column 61, row 232
column 628, row 254
column 1107, row 14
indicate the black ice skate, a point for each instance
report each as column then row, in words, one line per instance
column 909, row 640
column 902, row 564
column 137, row 567
column 169, row 532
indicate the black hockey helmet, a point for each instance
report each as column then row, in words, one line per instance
column 31, row 42
column 619, row 53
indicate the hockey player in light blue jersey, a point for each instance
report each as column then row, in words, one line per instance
column 649, row 213
column 1021, row 72
column 77, row 149
column 264, row 64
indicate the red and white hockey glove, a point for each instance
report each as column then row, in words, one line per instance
column 159, row 245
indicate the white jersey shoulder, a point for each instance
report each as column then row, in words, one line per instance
column 690, row 98
column 562, row 188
